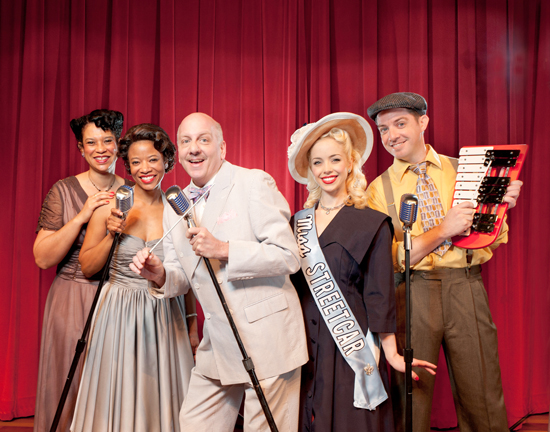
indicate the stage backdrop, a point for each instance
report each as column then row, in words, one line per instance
column 263, row 69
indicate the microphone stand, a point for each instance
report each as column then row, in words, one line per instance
column 408, row 351
column 82, row 341
column 247, row 361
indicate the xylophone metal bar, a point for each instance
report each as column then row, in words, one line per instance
column 483, row 176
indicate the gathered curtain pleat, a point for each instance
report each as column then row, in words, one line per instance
column 263, row 69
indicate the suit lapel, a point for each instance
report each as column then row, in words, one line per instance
column 214, row 205
column 218, row 196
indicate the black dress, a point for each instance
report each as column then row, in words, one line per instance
column 357, row 248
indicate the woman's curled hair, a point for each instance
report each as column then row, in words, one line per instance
column 107, row 120
column 356, row 183
column 148, row 132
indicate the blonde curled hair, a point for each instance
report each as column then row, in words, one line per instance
column 356, row 183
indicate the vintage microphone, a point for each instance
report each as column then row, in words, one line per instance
column 407, row 215
column 183, row 206
column 179, row 202
column 124, row 202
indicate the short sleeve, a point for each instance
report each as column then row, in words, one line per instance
column 51, row 215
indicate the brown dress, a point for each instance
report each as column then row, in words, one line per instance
column 67, row 307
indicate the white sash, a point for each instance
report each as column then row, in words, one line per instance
column 360, row 352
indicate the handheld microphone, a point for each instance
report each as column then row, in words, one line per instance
column 124, row 199
column 408, row 210
column 181, row 205
column 177, row 200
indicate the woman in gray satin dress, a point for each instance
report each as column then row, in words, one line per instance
column 139, row 357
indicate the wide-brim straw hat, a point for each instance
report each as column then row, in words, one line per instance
column 356, row 126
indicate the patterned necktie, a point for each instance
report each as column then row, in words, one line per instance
column 431, row 209
column 195, row 193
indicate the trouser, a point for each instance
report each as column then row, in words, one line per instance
column 210, row 406
column 449, row 308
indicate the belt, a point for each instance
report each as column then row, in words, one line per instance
column 441, row 273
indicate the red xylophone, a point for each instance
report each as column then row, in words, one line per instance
column 482, row 177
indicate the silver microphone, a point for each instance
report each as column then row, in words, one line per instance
column 407, row 215
column 124, row 199
column 177, row 200
column 181, row 205
column 408, row 210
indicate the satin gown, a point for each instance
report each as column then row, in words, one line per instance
column 139, row 358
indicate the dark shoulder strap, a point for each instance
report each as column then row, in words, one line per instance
column 454, row 162
column 392, row 212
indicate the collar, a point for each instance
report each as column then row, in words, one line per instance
column 400, row 167
column 209, row 183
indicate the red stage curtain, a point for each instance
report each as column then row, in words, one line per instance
column 262, row 69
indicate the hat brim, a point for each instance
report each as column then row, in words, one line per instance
column 357, row 127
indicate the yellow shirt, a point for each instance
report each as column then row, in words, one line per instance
column 403, row 181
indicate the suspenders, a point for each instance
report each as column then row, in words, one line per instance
column 392, row 212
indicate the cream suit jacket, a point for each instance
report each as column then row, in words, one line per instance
column 244, row 208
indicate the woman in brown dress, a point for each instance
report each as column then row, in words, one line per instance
column 61, row 227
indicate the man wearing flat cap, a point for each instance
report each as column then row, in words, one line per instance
column 448, row 300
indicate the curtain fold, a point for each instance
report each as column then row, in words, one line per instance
column 263, row 69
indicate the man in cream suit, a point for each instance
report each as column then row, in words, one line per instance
column 242, row 226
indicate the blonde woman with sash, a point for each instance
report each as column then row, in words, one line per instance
column 346, row 282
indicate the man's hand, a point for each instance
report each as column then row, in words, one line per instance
column 148, row 266
column 512, row 193
column 457, row 220
column 204, row 244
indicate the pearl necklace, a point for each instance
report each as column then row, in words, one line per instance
column 99, row 190
column 329, row 209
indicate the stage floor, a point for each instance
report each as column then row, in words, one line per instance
column 535, row 423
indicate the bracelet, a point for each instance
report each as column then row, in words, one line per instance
column 191, row 315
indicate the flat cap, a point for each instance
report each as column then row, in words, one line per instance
column 398, row 100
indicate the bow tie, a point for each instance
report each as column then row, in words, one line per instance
column 195, row 193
